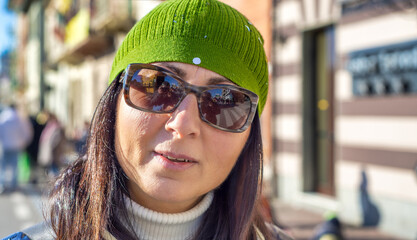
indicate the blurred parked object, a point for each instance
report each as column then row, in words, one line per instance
column 331, row 229
column 23, row 168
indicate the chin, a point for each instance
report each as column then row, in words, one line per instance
column 173, row 190
column 172, row 193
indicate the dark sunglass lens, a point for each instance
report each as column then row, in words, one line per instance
column 154, row 90
column 225, row 107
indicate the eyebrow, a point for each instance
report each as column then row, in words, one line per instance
column 211, row 81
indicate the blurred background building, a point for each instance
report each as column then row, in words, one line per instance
column 339, row 128
column 345, row 109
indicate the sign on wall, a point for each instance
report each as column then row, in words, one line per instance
column 356, row 6
column 386, row 70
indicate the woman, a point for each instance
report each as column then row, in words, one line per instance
column 175, row 149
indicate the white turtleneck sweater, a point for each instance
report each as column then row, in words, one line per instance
column 151, row 225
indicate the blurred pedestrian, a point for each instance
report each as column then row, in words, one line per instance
column 175, row 146
column 15, row 134
column 51, row 146
column 38, row 122
column 81, row 141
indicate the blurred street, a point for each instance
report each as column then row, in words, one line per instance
column 24, row 207
column 301, row 224
column 20, row 209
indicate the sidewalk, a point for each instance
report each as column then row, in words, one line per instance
column 300, row 224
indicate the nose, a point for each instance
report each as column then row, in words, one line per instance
column 185, row 120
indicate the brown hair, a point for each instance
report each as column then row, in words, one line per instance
column 87, row 195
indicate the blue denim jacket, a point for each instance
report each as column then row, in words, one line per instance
column 40, row 231
column 17, row 236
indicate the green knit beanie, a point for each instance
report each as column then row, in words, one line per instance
column 207, row 33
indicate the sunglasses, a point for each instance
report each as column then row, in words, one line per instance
column 155, row 89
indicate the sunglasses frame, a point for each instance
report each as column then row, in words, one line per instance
column 188, row 88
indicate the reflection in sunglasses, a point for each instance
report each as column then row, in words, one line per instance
column 142, row 81
column 232, row 117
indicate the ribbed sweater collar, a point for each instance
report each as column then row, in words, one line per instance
column 152, row 225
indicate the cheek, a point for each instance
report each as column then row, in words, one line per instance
column 226, row 148
column 132, row 128
column 223, row 153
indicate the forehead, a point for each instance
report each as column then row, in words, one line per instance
column 185, row 71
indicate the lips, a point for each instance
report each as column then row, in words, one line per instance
column 176, row 159
column 179, row 158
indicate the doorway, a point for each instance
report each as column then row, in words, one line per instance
column 318, row 102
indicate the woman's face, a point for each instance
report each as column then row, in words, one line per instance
column 151, row 149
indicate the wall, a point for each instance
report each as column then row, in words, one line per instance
column 375, row 134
